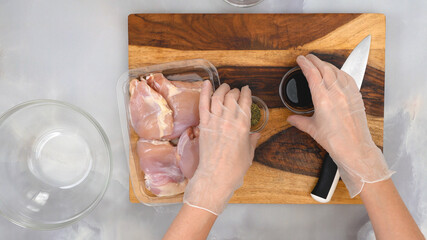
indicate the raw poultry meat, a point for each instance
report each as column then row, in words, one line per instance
column 183, row 99
column 158, row 161
column 151, row 117
column 188, row 152
column 166, row 110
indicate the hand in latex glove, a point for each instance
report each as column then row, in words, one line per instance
column 339, row 124
column 226, row 147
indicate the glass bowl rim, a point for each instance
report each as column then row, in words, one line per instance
column 243, row 5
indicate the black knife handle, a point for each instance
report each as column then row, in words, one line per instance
column 327, row 182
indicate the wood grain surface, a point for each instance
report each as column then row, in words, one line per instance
column 258, row 49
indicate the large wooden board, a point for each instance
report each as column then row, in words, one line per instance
column 258, row 49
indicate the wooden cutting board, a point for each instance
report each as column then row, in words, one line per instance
column 258, row 49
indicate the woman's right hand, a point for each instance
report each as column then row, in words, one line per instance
column 339, row 124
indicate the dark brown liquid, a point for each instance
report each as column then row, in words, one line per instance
column 296, row 91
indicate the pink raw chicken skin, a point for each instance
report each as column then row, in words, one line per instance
column 151, row 116
column 188, row 152
column 183, row 99
column 158, row 161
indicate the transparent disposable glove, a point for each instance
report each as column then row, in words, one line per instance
column 339, row 124
column 226, row 147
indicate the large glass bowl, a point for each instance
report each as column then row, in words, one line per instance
column 55, row 164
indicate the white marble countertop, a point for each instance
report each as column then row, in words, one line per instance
column 75, row 50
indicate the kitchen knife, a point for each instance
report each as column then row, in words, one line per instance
column 355, row 66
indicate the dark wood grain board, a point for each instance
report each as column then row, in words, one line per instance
column 231, row 31
column 257, row 50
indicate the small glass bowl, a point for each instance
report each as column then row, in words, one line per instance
column 264, row 114
column 55, row 164
column 284, row 98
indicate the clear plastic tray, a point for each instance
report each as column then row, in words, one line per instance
column 187, row 70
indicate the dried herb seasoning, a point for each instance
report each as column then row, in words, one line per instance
column 255, row 114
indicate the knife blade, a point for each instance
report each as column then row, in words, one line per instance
column 355, row 66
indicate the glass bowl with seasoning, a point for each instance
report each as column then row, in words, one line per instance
column 259, row 114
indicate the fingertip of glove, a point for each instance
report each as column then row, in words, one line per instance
column 206, row 83
column 302, row 59
column 246, row 89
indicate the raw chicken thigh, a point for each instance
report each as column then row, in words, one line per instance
column 166, row 110
column 183, row 99
column 188, row 152
column 151, row 116
column 158, row 161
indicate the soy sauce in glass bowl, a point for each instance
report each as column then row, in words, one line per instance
column 295, row 92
